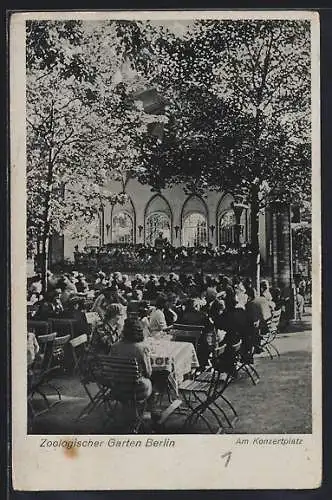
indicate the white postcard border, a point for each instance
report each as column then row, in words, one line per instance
column 196, row 461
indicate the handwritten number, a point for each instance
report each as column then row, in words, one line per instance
column 227, row 456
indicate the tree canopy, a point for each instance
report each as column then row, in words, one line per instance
column 239, row 107
column 235, row 113
column 84, row 128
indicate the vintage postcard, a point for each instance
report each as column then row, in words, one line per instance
column 165, row 237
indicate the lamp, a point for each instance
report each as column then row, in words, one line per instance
column 212, row 228
column 140, row 229
column 107, row 228
column 176, row 231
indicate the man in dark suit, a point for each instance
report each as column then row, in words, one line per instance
column 191, row 315
column 258, row 308
column 215, row 308
column 259, row 312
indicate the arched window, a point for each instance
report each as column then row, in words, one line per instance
column 157, row 222
column 226, row 228
column 122, row 228
column 194, row 230
column 158, row 219
column 122, row 224
column 92, row 232
column 226, row 222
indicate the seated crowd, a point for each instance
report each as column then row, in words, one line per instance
column 130, row 311
column 228, row 310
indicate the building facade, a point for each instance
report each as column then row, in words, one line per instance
column 184, row 219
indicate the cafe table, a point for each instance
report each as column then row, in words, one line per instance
column 178, row 359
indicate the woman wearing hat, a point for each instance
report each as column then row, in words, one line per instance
column 101, row 281
column 151, row 288
column 82, row 285
column 138, row 282
column 100, row 304
column 49, row 306
column 109, row 330
column 108, row 296
column 76, row 308
column 132, row 346
column 173, row 284
column 125, row 284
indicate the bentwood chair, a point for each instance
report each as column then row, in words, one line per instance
column 39, row 327
column 53, row 364
column 93, row 319
column 79, row 347
column 63, row 326
column 90, row 373
column 82, row 359
column 40, row 371
column 204, row 396
column 187, row 333
column 61, row 352
column 267, row 340
column 243, row 365
column 118, row 378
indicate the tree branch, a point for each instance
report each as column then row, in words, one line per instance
column 67, row 104
column 63, row 142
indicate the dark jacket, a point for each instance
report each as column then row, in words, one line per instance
column 258, row 309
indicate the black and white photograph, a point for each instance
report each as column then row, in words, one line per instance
column 168, row 207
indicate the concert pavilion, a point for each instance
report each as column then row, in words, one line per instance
column 185, row 220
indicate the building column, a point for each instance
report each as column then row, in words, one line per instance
column 212, row 230
column 282, row 266
column 238, row 210
column 107, row 223
column 139, row 229
column 176, row 234
column 285, row 260
column 177, row 227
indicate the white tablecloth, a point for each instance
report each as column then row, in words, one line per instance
column 178, row 358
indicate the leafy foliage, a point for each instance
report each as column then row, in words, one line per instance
column 84, row 129
column 233, row 113
column 238, row 95
column 239, row 100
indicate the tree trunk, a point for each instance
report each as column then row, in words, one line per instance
column 46, row 225
column 47, row 207
column 255, row 258
column 44, row 260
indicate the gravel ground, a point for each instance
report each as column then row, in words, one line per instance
column 279, row 403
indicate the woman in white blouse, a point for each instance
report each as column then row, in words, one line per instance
column 158, row 323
